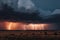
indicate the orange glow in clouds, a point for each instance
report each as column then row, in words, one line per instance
column 24, row 26
column 36, row 26
column 14, row 26
column 11, row 25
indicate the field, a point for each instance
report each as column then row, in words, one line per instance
column 29, row 35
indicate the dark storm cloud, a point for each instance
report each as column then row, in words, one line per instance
column 47, row 4
column 8, row 13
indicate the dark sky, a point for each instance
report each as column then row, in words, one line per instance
column 47, row 4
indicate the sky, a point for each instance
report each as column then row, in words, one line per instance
column 32, row 4
column 45, row 7
column 47, row 4
column 25, row 3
